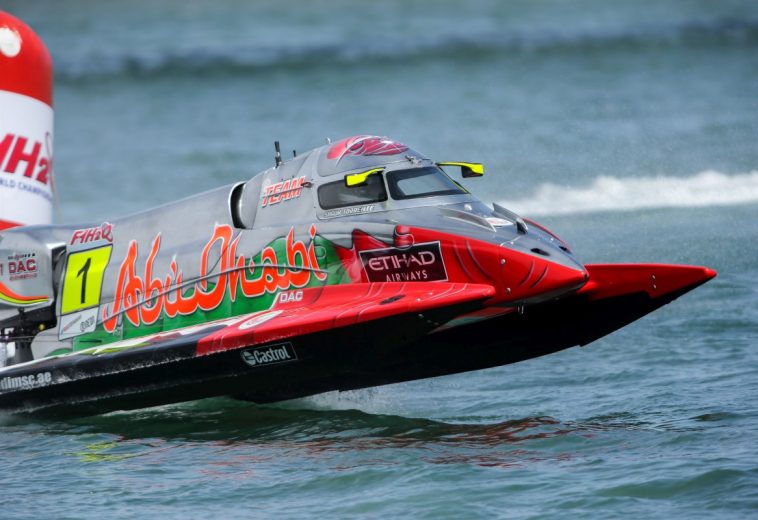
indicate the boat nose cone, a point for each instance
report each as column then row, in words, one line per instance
column 556, row 279
column 531, row 279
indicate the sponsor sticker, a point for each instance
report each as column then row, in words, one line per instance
column 269, row 355
column 282, row 191
column 418, row 263
column 346, row 212
column 19, row 266
column 28, row 381
column 77, row 323
column 94, row 234
column 290, row 296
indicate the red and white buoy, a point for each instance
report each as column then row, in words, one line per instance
column 26, row 126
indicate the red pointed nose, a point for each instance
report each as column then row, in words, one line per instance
column 609, row 280
column 530, row 279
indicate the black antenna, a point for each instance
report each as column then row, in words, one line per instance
column 294, row 153
column 278, row 156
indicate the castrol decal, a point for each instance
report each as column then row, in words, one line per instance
column 269, row 355
column 26, row 160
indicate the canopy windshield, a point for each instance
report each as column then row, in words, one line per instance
column 337, row 195
column 421, row 182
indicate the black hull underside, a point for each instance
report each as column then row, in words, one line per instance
column 385, row 351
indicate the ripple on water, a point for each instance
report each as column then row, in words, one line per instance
column 708, row 484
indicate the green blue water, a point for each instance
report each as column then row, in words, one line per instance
column 631, row 130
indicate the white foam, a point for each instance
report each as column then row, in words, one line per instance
column 374, row 400
column 707, row 188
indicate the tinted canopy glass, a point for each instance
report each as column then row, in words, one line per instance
column 337, row 195
column 421, row 182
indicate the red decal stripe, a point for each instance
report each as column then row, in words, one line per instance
column 7, row 224
column 10, row 296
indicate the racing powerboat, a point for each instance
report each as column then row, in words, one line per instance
column 359, row 263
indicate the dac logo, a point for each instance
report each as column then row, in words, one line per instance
column 20, row 266
column 290, row 296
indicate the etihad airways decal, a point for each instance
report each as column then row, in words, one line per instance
column 419, row 263
column 143, row 297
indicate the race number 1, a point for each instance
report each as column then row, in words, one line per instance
column 83, row 278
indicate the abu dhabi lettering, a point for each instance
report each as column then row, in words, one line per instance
column 142, row 297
